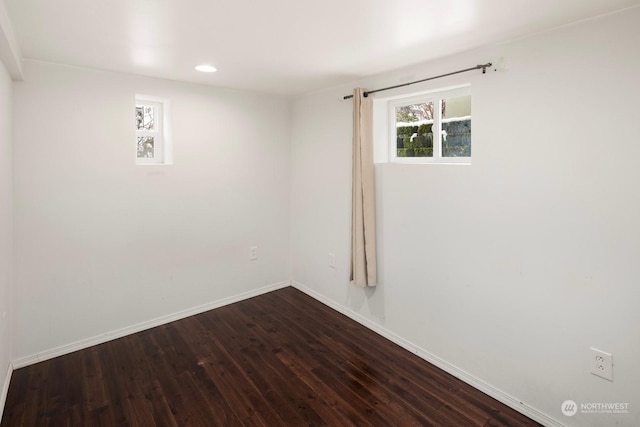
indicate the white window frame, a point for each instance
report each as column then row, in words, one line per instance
column 160, row 132
column 434, row 96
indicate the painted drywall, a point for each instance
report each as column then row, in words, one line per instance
column 6, row 229
column 10, row 68
column 101, row 243
column 511, row 268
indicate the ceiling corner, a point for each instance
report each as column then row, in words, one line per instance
column 10, row 54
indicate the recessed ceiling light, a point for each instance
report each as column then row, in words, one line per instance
column 206, row 68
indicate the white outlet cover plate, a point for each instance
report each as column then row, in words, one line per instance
column 332, row 260
column 601, row 363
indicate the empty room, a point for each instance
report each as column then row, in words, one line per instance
column 336, row 213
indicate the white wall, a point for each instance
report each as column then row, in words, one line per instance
column 102, row 244
column 509, row 269
column 6, row 229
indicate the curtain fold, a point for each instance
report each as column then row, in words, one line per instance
column 363, row 220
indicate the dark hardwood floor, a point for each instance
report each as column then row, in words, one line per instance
column 278, row 359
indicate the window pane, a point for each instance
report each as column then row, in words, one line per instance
column 414, row 137
column 144, row 117
column 456, row 127
column 146, row 147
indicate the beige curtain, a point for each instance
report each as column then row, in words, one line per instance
column 363, row 219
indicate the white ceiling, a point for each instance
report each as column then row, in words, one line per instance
column 278, row 46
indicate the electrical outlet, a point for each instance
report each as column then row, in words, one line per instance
column 601, row 364
column 332, row 260
column 253, row 253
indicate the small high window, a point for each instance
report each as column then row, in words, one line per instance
column 431, row 128
column 151, row 144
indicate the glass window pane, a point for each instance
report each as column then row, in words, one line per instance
column 144, row 117
column 414, row 137
column 456, row 127
column 146, row 147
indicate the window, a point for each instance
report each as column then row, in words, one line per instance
column 432, row 127
column 151, row 131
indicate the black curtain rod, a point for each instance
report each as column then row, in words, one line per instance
column 477, row 67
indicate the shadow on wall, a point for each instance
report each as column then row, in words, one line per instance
column 373, row 297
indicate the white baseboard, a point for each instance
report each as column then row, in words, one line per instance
column 5, row 389
column 473, row 381
column 119, row 333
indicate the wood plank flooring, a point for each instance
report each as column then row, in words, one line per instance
column 280, row 359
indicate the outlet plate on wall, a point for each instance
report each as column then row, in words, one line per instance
column 601, row 364
column 253, row 253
